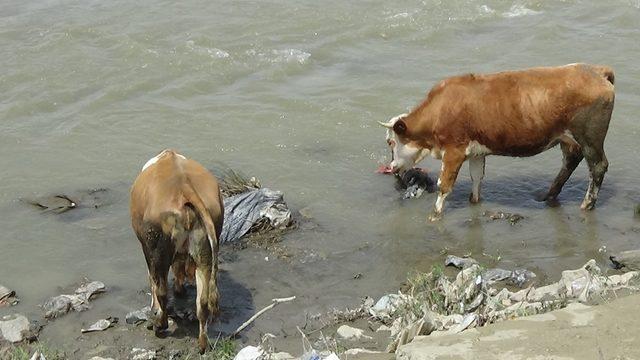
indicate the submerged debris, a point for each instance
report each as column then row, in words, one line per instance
column 101, row 325
column 54, row 203
column 62, row 304
column 629, row 259
column 7, row 297
column 437, row 304
column 60, row 203
column 512, row 218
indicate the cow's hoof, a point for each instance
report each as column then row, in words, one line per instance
column 473, row 199
column 202, row 344
column 586, row 206
column 541, row 196
column 433, row 217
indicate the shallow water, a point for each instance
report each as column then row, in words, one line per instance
column 290, row 93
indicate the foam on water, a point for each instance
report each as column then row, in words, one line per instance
column 519, row 10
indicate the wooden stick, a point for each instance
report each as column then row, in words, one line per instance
column 254, row 317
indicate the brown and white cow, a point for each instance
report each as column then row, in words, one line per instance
column 512, row 113
column 177, row 214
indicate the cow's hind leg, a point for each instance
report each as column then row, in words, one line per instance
column 476, row 169
column 598, row 166
column 201, row 254
column 451, row 163
column 159, row 272
column 590, row 130
column 571, row 158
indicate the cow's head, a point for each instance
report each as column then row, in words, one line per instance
column 405, row 153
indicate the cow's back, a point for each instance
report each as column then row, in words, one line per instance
column 515, row 112
column 160, row 187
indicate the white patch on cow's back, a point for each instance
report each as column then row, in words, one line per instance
column 476, row 149
column 155, row 159
column 151, row 161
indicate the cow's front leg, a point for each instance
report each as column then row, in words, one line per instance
column 476, row 169
column 451, row 163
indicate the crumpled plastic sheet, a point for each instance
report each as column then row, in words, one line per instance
column 62, row 304
column 243, row 210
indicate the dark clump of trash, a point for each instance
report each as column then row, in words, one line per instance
column 414, row 182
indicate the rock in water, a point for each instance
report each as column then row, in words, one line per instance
column 14, row 328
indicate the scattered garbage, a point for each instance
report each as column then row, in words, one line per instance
column 517, row 277
column 243, row 210
column 459, row 262
column 347, row 332
column 138, row 316
column 101, row 325
column 437, row 305
column 143, row 354
column 14, row 328
column 387, row 305
column 38, row 356
column 512, row 218
column 7, row 297
column 628, row 259
column 62, row 304
column 250, row 353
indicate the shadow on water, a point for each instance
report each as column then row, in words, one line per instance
column 236, row 307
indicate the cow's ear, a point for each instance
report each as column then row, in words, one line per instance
column 400, row 127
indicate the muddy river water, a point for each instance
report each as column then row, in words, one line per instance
column 290, row 92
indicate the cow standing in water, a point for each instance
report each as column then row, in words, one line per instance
column 177, row 214
column 512, row 113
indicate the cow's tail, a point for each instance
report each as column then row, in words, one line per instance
column 606, row 72
column 205, row 217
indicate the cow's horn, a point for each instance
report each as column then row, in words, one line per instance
column 387, row 125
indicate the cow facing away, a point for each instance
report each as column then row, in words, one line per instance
column 177, row 214
column 513, row 113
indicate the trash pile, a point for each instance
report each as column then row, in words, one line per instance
column 248, row 207
column 435, row 304
column 79, row 301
